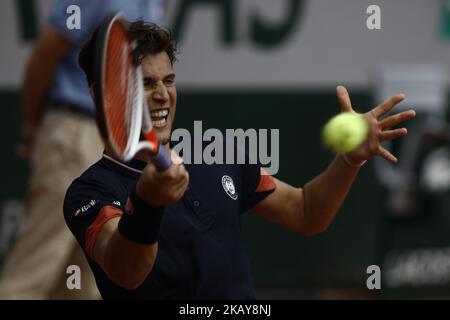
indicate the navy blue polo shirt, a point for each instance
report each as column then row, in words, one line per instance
column 201, row 253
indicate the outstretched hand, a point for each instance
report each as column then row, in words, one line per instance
column 379, row 129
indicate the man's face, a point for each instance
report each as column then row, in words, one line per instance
column 160, row 93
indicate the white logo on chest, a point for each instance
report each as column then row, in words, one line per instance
column 228, row 186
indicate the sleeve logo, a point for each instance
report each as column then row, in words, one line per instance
column 85, row 207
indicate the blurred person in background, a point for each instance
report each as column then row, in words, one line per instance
column 60, row 138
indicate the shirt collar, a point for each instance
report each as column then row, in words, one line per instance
column 133, row 165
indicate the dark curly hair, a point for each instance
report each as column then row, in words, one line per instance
column 150, row 38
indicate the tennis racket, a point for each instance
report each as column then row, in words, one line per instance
column 121, row 111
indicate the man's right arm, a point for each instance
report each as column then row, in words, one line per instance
column 126, row 263
column 126, row 250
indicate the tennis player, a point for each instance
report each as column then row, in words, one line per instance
column 176, row 234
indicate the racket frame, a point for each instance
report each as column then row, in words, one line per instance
column 140, row 123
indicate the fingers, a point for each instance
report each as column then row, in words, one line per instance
column 176, row 191
column 175, row 174
column 162, row 188
column 176, row 159
column 392, row 134
column 387, row 105
column 387, row 155
column 380, row 132
column 344, row 99
column 394, row 120
column 179, row 186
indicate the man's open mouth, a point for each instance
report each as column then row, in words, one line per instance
column 159, row 117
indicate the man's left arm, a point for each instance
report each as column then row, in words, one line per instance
column 310, row 210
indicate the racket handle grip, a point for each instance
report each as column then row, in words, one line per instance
column 161, row 159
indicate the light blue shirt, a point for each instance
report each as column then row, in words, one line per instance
column 69, row 84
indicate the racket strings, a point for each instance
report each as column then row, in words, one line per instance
column 119, row 87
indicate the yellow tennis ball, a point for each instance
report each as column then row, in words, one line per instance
column 345, row 132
